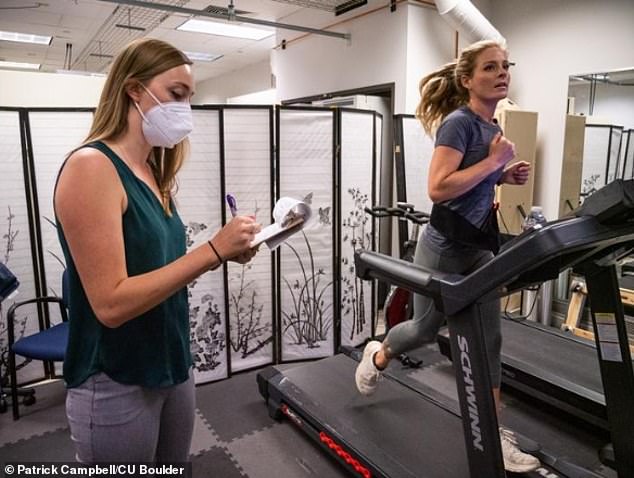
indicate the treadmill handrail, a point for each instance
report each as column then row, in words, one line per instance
column 526, row 259
column 560, row 245
column 414, row 277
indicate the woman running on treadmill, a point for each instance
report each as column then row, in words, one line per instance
column 471, row 156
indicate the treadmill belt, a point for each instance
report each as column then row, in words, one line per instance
column 402, row 433
column 553, row 358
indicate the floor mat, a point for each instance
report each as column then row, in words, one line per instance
column 215, row 463
column 233, row 407
column 282, row 451
column 49, row 447
column 48, row 414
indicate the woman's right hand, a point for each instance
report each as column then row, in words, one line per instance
column 501, row 150
column 235, row 238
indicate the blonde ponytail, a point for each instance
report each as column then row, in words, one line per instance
column 441, row 92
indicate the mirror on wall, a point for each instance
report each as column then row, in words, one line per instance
column 598, row 142
column 606, row 100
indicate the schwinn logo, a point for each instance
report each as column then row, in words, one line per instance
column 465, row 363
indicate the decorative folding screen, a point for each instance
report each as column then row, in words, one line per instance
column 615, row 167
column 378, row 225
column 234, row 321
column 600, row 157
column 306, row 287
column 199, row 202
column 15, row 246
column 248, row 166
column 413, row 149
column 412, row 164
column 357, row 191
column 51, row 144
column 378, row 160
column 628, row 154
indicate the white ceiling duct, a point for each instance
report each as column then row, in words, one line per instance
column 468, row 20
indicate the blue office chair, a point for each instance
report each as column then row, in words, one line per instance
column 47, row 345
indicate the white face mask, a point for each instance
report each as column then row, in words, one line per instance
column 166, row 124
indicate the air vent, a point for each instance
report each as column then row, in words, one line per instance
column 335, row 6
column 224, row 11
column 338, row 101
column 349, row 5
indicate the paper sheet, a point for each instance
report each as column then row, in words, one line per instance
column 290, row 216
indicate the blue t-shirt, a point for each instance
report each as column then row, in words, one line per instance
column 465, row 131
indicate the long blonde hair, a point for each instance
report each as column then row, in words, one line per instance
column 441, row 92
column 140, row 61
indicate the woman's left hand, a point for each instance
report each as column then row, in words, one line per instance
column 516, row 174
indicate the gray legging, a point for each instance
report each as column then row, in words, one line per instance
column 113, row 422
column 423, row 327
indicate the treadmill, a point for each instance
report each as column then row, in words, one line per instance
column 401, row 433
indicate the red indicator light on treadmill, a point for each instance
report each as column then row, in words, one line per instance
column 344, row 455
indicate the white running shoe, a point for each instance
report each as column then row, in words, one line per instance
column 515, row 460
column 367, row 375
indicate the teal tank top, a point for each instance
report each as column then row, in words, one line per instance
column 152, row 349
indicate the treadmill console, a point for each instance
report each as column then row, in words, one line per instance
column 610, row 205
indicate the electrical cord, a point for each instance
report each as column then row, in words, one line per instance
column 508, row 315
column 506, row 306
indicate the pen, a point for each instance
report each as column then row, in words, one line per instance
column 233, row 205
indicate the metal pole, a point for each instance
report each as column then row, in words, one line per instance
column 237, row 18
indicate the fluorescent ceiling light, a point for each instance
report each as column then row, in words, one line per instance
column 225, row 29
column 199, row 56
column 25, row 38
column 15, row 64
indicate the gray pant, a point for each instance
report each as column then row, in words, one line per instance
column 423, row 327
column 113, row 422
